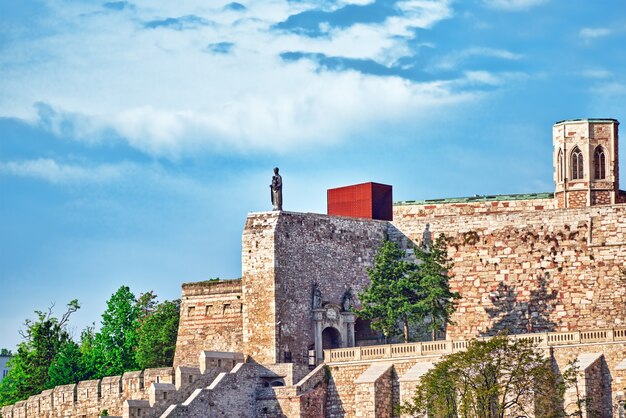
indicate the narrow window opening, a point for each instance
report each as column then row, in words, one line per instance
column 577, row 164
column 560, row 168
column 599, row 164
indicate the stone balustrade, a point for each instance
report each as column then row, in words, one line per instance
column 437, row 348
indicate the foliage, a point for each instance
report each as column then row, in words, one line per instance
column 494, row 378
column 157, row 335
column 67, row 367
column 408, row 293
column 391, row 296
column 135, row 333
column 5, row 352
column 114, row 345
column 43, row 340
column 436, row 300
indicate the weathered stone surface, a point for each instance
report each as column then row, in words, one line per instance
column 210, row 319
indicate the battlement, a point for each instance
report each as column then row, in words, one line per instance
column 153, row 389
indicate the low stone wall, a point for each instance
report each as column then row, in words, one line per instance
column 150, row 390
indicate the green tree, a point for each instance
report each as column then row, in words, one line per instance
column 115, row 344
column 88, row 352
column 405, row 292
column 158, row 331
column 392, row 296
column 43, row 340
column 67, row 366
column 5, row 352
column 436, row 300
column 491, row 379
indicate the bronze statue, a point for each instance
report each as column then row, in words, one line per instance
column 277, row 190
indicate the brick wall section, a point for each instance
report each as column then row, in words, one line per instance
column 445, row 210
column 556, row 270
column 257, row 266
column 89, row 398
column 284, row 254
column 340, row 399
column 600, row 197
column 332, row 251
column 576, row 199
column 308, row 398
column 210, row 319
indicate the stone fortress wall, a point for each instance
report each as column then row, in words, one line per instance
column 523, row 268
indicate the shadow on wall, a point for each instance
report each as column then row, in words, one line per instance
column 513, row 315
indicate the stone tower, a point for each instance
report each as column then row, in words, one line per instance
column 585, row 159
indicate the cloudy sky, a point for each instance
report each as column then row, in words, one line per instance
column 136, row 135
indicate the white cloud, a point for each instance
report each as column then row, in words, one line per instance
column 589, row 34
column 161, row 92
column 455, row 59
column 513, row 5
column 595, row 73
column 51, row 171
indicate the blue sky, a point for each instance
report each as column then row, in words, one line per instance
column 135, row 136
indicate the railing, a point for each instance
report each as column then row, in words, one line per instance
column 430, row 348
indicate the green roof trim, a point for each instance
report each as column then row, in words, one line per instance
column 603, row 120
column 478, row 198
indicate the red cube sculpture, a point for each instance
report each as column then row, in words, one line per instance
column 366, row 200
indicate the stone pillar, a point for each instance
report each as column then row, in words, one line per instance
column 348, row 319
column 318, row 316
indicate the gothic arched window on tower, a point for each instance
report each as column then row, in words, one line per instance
column 577, row 164
column 599, row 164
column 559, row 167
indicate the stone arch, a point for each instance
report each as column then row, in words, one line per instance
column 331, row 338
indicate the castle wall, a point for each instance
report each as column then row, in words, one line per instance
column 331, row 251
column 528, row 271
column 210, row 319
column 284, row 254
column 258, row 287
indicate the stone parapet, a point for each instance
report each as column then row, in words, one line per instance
column 438, row 348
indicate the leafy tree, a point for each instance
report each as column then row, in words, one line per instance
column 491, row 379
column 5, row 352
column 88, row 352
column 43, row 340
column 392, row 296
column 68, row 366
column 436, row 300
column 114, row 345
column 404, row 292
column 157, row 335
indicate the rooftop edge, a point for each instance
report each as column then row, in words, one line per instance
column 587, row 120
column 478, row 198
